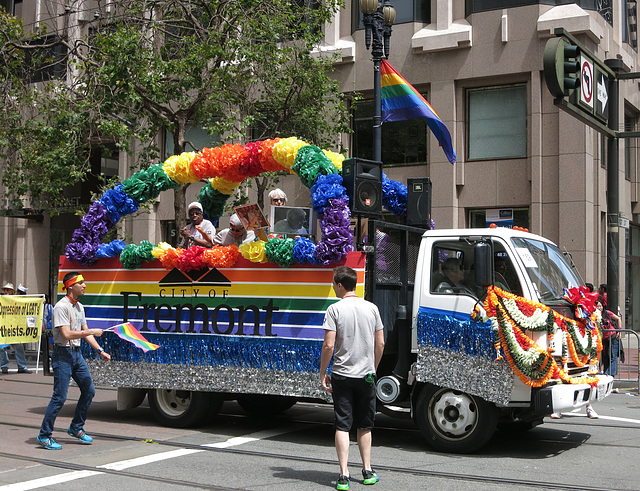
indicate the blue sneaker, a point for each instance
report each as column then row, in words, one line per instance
column 48, row 443
column 81, row 436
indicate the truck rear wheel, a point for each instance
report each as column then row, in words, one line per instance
column 183, row 408
column 453, row 421
column 265, row 405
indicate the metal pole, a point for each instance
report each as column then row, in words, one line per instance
column 377, row 115
column 377, row 37
column 613, row 205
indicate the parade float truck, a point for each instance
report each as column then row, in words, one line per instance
column 509, row 346
column 459, row 362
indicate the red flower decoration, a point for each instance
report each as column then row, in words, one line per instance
column 191, row 258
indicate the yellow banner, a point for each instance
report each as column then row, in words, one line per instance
column 20, row 318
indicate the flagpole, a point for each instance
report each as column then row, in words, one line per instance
column 378, row 18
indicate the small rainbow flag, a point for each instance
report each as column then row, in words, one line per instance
column 400, row 101
column 129, row 333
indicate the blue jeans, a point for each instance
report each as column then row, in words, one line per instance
column 21, row 359
column 612, row 369
column 68, row 363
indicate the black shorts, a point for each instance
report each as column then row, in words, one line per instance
column 354, row 402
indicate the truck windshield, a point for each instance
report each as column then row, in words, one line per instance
column 547, row 267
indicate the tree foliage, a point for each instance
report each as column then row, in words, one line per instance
column 242, row 69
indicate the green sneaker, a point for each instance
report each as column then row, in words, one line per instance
column 370, row 477
column 342, row 484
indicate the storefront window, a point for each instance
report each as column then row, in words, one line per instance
column 497, row 122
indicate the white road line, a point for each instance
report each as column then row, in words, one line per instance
column 624, row 420
column 49, row 481
column 600, row 416
column 148, row 459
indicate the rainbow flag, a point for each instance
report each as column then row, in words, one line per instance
column 129, row 333
column 400, row 101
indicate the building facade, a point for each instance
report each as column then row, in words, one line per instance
column 480, row 65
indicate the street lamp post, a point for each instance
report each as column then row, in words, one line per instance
column 378, row 18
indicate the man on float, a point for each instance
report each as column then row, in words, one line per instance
column 200, row 232
column 235, row 234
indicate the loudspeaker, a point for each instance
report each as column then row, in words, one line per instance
column 419, row 202
column 363, row 181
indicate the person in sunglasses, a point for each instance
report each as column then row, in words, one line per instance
column 277, row 197
column 200, row 231
column 453, row 271
column 234, row 234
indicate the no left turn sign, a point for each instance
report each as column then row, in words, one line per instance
column 586, row 82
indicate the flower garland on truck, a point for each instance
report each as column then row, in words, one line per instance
column 226, row 167
column 512, row 315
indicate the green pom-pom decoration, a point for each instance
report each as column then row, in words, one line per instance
column 148, row 183
column 280, row 252
column 212, row 201
column 134, row 255
column 310, row 163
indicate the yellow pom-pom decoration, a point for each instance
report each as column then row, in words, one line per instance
column 160, row 250
column 285, row 151
column 335, row 158
column 178, row 168
column 254, row 251
column 223, row 186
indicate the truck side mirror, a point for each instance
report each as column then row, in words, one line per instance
column 483, row 259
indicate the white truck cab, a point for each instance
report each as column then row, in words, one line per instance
column 463, row 387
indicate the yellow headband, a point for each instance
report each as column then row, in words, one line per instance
column 73, row 281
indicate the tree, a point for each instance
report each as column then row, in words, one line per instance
column 242, row 69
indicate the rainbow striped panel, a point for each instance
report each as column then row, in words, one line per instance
column 249, row 299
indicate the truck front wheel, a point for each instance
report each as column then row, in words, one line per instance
column 453, row 421
column 183, row 408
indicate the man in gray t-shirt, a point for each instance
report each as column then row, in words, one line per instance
column 354, row 337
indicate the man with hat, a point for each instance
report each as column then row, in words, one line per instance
column 21, row 359
column 200, row 232
column 235, row 234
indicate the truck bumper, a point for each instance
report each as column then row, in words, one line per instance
column 567, row 397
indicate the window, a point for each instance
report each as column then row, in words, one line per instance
column 169, row 232
column 603, row 7
column 450, row 268
column 109, row 165
column 47, row 63
column 478, row 218
column 403, row 142
column 197, row 139
column 8, row 6
column 406, row 11
column 630, row 146
column 497, row 122
column 630, row 22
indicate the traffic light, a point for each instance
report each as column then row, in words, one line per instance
column 561, row 66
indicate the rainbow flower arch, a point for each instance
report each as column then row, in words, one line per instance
column 226, row 167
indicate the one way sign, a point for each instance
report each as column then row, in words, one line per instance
column 602, row 96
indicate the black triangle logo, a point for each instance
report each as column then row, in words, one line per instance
column 196, row 274
column 204, row 276
column 213, row 276
column 175, row 276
